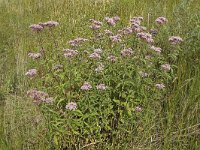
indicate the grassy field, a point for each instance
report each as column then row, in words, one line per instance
column 170, row 122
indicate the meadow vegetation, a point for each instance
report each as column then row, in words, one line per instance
column 104, row 74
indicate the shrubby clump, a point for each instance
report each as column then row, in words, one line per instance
column 96, row 89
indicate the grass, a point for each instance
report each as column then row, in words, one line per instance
column 174, row 124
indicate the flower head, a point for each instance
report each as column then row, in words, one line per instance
column 31, row 73
column 116, row 38
column 110, row 21
column 36, row 27
column 175, row 40
column 51, row 23
column 101, row 87
column 160, row 86
column 95, row 24
column 77, row 41
column 39, row 96
column 86, row 86
column 161, row 20
column 108, row 32
column 126, row 52
column 98, row 51
column 146, row 37
column 125, row 31
column 35, row 56
column 69, row 53
column 95, row 55
column 112, row 58
column 71, row 106
column 156, row 49
column 166, row 67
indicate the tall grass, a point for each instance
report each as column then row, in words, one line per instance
column 175, row 125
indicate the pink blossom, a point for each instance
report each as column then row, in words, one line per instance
column 71, row 106
column 108, row 32
column 86, row 86
column 101, row 87
column 146, row 37
column 136, row 20
column 34, row 55
column 110, row 21
column 156, row 49
column 77, row 41
column 161, row 20
column 95, row 24
column 31, row 73
column 39, row 96
column 175, row 40
column 36, row 27
column 126, row 52
column 160, row 86
column 95, row 56
column 166, row 67
column 95, row 27
column 51, row 23
column 116, row 38
column 48, row 100
column 112, row 58
column 116, row 18
column 98, row 51
column 69, row 53
column 125, row 31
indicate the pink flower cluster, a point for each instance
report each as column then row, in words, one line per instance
column 108, row 32
column 136, row 20
column 112, row 21
column 126, row 52
column 101, row 87
column 161, row 20
column 35, row 56
column 166, row 67
column 95, row 24
column 125, row 31
column 98, row 51
column 69, row 53
column 145, row 37
column 39, row 96
column 95, row 55
column 175, row 40
column 77, row 41
column 71, row 106
column 160, row 86
column 156, row 49
column 116, row 38
column 135, row 24
column 40, row 26
column 112, row 58
column 86, row 86
column 36, row 27
column 31, row 73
